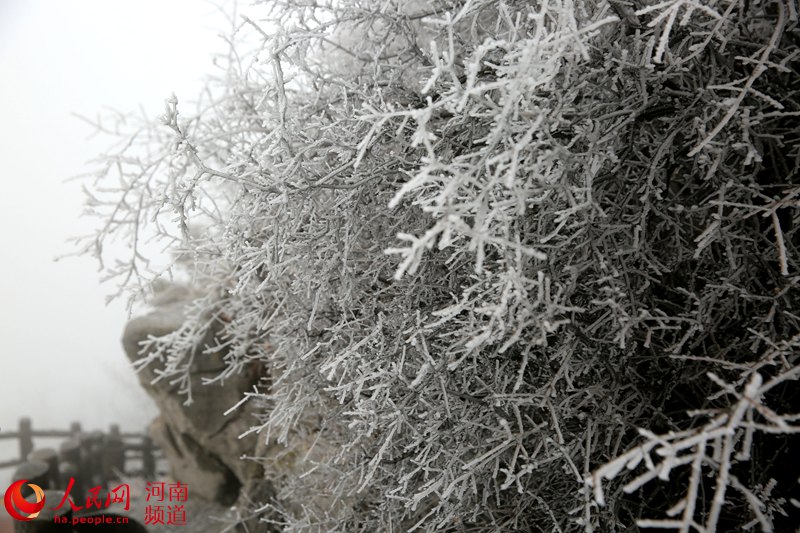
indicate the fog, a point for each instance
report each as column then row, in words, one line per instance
column 61, row 358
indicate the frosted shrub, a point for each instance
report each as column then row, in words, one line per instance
column 503, row 250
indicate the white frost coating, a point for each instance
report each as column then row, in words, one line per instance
column 423, row 371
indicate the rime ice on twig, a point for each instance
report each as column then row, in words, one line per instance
column 478, row 243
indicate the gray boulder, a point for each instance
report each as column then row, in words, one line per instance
column 202, row 446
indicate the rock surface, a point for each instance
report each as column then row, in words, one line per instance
column 202, row 446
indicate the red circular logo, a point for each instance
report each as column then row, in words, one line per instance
column 18, row 507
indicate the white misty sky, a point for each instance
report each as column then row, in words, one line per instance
column 60, row 354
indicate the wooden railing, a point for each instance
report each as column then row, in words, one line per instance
column 86, row 465
column 94, row 453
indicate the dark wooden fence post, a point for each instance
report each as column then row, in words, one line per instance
column 35, row 472
column 85, row 471
column 113, row 454
column 25, row 438
column 70, row 454
column 49, row 520
column 67, row 471
column 50, row 457
column 148, row 461
column 94, row 451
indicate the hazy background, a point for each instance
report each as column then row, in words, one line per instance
column 60, row 354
